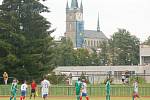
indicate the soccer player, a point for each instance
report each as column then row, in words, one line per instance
column 107, row 89
column 33, row 89
column 84, row 90
column 13, row 89
column 45, row 84
column 135, row 92
column 23, row 90
column 78, row 88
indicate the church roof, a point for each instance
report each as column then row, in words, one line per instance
column 94, row 34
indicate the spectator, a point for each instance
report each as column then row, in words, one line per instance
column 5, row 77
column 70, row 79
column 127, row 77
column 123, row 78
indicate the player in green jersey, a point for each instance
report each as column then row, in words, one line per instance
column 13, row 89
column 107, row 89
column 78, row 88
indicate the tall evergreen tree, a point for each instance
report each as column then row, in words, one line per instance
column 35, row 53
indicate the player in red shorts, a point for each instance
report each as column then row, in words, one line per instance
column 33, row 89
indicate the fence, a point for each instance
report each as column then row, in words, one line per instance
column 9, row 80
column 116, row 90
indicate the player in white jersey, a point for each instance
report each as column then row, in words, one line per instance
column 84, row 90
column 23, row 90
column 135, row 91
column 45, row 88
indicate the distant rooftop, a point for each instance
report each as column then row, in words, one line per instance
column 94, row 34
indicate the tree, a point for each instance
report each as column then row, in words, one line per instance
column 10, row 40
column 104, row 53
column 82, row 57
column 147, row 42
column 64, row 53
column 125, row 48
column 35, row 52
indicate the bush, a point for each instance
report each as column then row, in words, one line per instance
column 57, row 79
column 140, row 80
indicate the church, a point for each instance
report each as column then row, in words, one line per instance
column 75, row 31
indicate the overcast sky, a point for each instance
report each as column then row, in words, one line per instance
column 133, row 15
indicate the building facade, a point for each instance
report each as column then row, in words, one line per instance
column 97, row 74
column 144, row 54
column 75, row 28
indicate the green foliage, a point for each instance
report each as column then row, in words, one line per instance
column 83, row 76
column 25, row 40
column 104, row 53
column 71, row 57
column 140, row 80
column 57, row 79
column 124, row 48
column 147, row 42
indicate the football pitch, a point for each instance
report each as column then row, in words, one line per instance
column 73, row 98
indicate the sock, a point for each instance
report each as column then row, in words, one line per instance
column 20, row 97
column 15, row 98
column 34, row 96
column 80, row 97
column 10, row 98
column 87, row 98
column 132, row 97
column 109, row 97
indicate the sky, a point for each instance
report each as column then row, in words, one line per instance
column 132, row 15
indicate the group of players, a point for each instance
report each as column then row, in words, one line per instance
column 45, row 84
column 80, row 89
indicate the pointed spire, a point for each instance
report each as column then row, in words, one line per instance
column 81, row 6
column 98, row 26
column 74, row 4
column 67, row 6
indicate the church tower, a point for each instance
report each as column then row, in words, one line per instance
column 74, row 23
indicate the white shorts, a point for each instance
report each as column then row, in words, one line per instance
column 44, row 93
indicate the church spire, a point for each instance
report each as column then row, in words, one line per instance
column 67, row 6
column 81, row 6
column 74, row 4
column 98, row 27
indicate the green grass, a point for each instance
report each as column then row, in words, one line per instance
column 73, row 98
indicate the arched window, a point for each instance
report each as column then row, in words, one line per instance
column 88, row 43
column 91, row 42
column 97, row 44
column 70, row 27
column 94, row 43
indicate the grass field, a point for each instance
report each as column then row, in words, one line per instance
column 73, row 98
